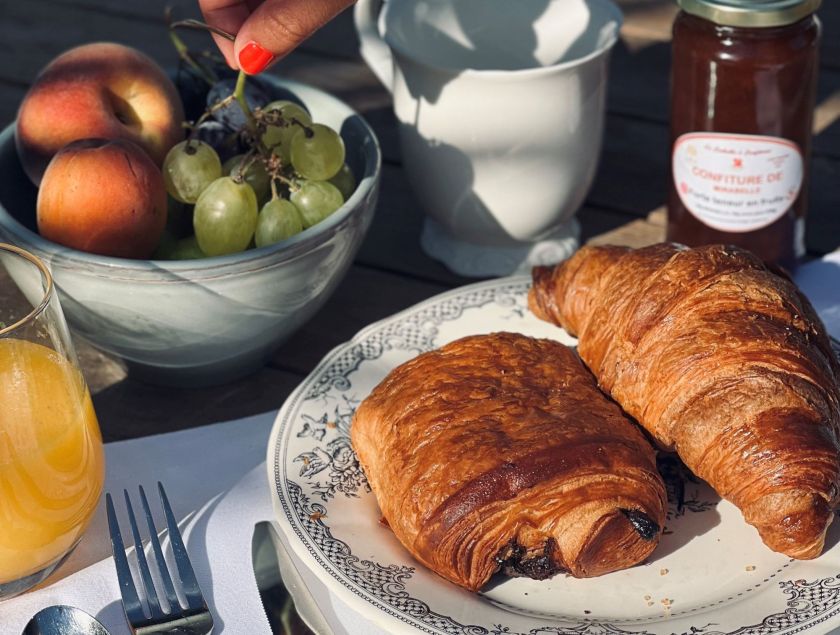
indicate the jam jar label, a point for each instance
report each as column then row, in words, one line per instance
column 736, row 183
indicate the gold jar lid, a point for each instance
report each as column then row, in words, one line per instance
column 751, row 13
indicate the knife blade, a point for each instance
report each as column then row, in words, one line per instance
column 304, row 602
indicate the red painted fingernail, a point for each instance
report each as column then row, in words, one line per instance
column 253, row 58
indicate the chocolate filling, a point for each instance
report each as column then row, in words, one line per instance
column 642, row 523
column 512, row 562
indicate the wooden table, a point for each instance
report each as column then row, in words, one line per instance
column 391, row 272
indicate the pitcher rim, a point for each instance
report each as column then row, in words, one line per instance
column 604, row 48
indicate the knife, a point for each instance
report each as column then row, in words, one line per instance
column 304, row 602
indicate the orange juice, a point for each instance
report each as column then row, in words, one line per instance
column 51, row 458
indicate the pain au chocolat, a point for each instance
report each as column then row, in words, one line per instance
column 498, row 452
column 721, row 360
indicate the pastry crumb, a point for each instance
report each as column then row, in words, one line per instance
column 316, row 516
column 666, row 602
column 750, row 567
column 650, row 603
column 663, row 572
column 647, row 597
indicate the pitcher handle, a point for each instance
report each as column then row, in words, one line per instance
column 374, row 49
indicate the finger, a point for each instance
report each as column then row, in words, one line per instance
column 228, row 15
column 276, row 27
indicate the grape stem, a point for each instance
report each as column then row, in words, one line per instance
column 239, row 94
column 245, row 164
column 207, row 74
column 277, row 176
column 309, row 132
column 207, row 114
column 198, row 24
column 222, row 103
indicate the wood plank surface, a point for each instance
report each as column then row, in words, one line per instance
column 366, row 296
column 129, row 408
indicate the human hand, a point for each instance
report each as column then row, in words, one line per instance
column 266, row 30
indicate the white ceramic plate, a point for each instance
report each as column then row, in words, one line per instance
column 710, row 574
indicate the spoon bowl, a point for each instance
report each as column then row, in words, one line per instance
column 64, row 620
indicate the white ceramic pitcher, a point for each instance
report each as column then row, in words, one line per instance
column 500, row 105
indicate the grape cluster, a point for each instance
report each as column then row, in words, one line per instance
column 250, row 174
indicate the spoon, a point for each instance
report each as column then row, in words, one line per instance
column 63, row 620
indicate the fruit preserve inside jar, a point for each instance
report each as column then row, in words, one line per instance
column 743, row 84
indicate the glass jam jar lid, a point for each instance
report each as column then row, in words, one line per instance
column 751, row 13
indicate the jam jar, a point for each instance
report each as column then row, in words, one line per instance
column 743, row 85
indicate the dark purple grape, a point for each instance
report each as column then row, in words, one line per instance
column 222, row 139
column 193, row 91
column 212, row 132
column 231, row 115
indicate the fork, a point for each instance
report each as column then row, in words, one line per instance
column 192, row 619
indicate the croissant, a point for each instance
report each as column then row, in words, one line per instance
column 721, row 360
column 499, row 452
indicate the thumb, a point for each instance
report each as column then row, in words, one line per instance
column 276, row 27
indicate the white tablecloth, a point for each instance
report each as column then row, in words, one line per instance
column 820, row 280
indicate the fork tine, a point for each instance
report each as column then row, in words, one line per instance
column 145, row 574
column 171, row 597
column 131, row 603
column 192, row 592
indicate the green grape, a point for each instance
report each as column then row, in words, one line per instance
column 189, row 167
column 344, row 181
column 187, row 249
column 279, row 219
column 279, row 138
column 255, row 176
column 316, row 200
column 225, row 217
column 171, row 248
column 317, row 153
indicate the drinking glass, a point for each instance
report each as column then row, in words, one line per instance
column 51, row 455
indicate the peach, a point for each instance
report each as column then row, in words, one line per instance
column 99, row 90
column 103, row 196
